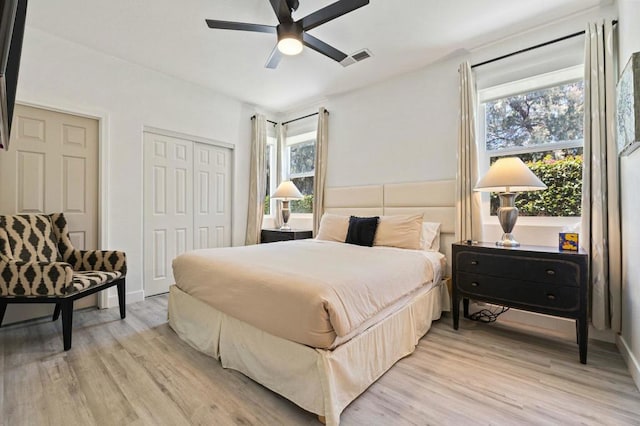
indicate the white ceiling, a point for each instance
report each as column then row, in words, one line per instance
column 171, row 37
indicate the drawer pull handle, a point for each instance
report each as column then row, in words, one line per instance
column 474, row 284
column 551, row 272
column 474, row 262
column 551, row 296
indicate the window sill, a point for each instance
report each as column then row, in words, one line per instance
column 537, row 221
column 539, row 231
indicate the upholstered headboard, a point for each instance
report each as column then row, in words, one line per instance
column 434, row 199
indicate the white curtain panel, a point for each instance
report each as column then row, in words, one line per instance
column 257, row 179
column 600, row 228
column 322, row 141
column 278, row 173
column 468, row 203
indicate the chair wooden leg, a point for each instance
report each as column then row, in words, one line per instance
column 3, row 309
column 121, row 298
column 56, row 312
column 67, row 323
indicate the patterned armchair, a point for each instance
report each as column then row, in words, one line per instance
column 38, row 264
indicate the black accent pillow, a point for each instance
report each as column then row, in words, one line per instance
column 362, row 230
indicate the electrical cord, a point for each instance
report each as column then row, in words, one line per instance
column 488, row 315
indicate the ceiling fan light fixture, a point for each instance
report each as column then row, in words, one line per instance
column 290, row 38
column 290, row 46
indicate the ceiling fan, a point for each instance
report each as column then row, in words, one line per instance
column 293, row 34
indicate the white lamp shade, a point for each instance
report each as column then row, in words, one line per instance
column 509, row 174
column 287, row 191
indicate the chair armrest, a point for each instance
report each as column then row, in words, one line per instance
column 101, row 260
column 18, row 278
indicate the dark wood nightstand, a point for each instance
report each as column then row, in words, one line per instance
column 273, row 235
column 531, row 278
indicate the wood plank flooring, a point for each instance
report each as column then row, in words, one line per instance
column 138, row 372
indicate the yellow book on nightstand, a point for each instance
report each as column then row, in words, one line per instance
column 568, row 241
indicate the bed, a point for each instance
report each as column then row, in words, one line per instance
column 333, row 354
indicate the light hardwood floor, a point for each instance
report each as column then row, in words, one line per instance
column 137, row 371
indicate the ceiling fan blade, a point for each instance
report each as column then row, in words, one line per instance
column 331, row 12
column 322, row 47
column 281, row 8
column 274, row 58
column 242, row 26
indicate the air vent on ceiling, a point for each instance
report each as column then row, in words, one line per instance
column 358, row 56
column 361, row 55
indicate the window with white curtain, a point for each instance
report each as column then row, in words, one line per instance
column 299, row 166
column 540, row 120
column 297, row 163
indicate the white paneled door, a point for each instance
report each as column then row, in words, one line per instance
column 52, row 166
column 187, row 203
column 212, row 196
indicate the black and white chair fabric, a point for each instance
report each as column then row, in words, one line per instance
column 38, row 264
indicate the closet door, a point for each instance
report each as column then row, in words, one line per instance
column 168, row 207
column 52, row 166
column 212, row 209
column 187, row 203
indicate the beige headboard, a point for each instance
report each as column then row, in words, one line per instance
column 434, row 199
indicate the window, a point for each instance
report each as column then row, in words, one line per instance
column 539, row 120
column 300, row 159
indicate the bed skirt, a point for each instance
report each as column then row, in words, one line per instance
column 321, row 381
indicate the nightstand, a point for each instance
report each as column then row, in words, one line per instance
column 273, row 235
column 531, row 278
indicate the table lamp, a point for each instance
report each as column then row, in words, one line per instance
column 508, row 176
column 286, row 191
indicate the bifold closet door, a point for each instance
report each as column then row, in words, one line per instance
column 212, row 199
column 187, row 203
column 168, row 207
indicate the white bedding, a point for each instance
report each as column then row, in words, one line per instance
column 317, row 293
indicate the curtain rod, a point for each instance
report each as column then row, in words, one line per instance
column 291, row 121
column 508, row 55
column 268, row 121
column 302, row 118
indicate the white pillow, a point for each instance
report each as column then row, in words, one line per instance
column 333, row 227
column 402, row 231
column 430, row 239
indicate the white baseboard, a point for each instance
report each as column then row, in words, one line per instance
column 132, row 297
column 629, row 358
column 563, row 327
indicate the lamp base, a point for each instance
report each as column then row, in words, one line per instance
column 285, row 216
column 507, row 216
column 507, row 241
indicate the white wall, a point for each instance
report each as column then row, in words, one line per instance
column 629, row 342
column 61, row 74
column 400, row 130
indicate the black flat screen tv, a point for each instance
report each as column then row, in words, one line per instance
column 12, row 19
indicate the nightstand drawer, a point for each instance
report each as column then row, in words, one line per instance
column 549, row 271
column 508, row 291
